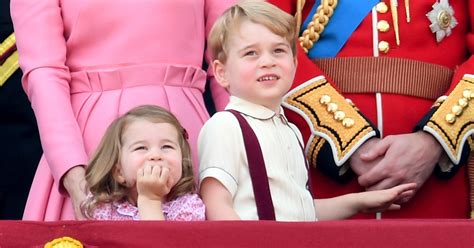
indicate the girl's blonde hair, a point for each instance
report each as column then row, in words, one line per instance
column 266, row 14
column 100, row 171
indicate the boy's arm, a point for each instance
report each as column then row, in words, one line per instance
column 345, row 206
column 218, row 200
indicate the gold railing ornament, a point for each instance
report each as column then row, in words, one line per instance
column 64, row 242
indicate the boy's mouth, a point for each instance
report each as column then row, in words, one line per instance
column 271, row 77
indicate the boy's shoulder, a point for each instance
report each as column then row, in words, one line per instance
column 222, row 117
column 222, row 122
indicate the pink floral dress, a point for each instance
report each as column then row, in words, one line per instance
column 188, row 207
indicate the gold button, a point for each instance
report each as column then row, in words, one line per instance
column 384, row 46
column 348, row 122
column 381, row 8
column 467, row 94
column 339, row 115
column 457, row 110
column 325, row 99
column 450, row 118
column 463, row 102
column 383, row 26
column 332, row 107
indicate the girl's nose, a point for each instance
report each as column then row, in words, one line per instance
column 154, row 156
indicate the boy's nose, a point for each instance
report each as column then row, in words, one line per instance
column 267, row 60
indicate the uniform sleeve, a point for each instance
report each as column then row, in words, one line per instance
column 451, row 119
column 220, row 147
column 214, row 8
column 332, row 127
column 187, row 208
column 42, row 49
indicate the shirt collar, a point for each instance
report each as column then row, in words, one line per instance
column 251, row 109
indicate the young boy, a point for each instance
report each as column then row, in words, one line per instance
column 264, row 175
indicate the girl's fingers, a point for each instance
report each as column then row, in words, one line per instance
column 140, row 172
column 164, row 172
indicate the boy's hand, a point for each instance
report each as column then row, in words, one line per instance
column 381, row 200
column 153, row 182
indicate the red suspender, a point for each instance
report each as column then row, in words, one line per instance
column 258, row 173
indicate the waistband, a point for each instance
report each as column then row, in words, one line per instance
column 140, row 75
column 387, row 75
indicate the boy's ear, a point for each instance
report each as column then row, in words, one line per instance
column 118, row 175
column 219, row 73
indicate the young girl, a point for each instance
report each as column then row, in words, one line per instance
column 142, row 170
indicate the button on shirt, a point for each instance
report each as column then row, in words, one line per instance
column 222, row 156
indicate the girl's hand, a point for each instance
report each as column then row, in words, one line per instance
column 153, row 182
column 381, row 200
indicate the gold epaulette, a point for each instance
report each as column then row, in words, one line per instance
column 453, row 122
column 331, row 117
column 10, row 65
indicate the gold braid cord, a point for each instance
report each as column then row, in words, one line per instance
column 319, row 21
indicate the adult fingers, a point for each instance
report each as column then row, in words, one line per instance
column 374, row 175
column 377, row 150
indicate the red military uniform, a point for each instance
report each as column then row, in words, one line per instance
column 394, row 87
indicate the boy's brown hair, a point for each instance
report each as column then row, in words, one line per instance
column 266, row 14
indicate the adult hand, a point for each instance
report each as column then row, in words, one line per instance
column 359, row 166
column 75, row 183
column 408, row 158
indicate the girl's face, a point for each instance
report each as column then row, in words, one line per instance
column 260, row 65
column 145, row 142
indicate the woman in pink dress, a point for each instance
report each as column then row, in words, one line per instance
column 87, row 62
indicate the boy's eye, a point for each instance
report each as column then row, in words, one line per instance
column 250, row 53
column 280, row 50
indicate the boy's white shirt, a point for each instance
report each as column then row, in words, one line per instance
column 222, row 156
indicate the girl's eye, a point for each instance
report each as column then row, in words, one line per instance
column 167, row 147
column 140, row 148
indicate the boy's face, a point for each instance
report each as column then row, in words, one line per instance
column 260, row 65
